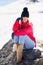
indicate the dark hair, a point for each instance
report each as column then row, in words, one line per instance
column 25, row 12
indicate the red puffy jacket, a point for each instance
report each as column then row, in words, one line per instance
column 25, row 28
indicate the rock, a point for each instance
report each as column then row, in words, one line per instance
column 7, row 57
column 39, row 62
column 31, row 54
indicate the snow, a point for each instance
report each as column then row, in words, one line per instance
column 10, row 12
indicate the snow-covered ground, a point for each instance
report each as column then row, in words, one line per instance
column 10, row 12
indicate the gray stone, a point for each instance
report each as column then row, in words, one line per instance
column 39, row 62
column 7, row 57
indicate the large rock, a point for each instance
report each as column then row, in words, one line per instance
column 7, row 57
column 39, row 61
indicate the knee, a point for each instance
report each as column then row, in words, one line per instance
column 21, row 39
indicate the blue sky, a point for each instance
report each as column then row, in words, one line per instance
column 5, row 2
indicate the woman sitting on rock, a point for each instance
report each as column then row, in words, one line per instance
column 23, row 34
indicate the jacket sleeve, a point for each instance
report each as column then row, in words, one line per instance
column 15, row 26
column 20, row 32
column 24, row 31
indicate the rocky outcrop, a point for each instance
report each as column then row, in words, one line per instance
column 7, row 57
column 39, row 61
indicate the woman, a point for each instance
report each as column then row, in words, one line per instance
column 23, row 34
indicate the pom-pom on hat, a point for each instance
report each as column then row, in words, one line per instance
column 25, row 12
